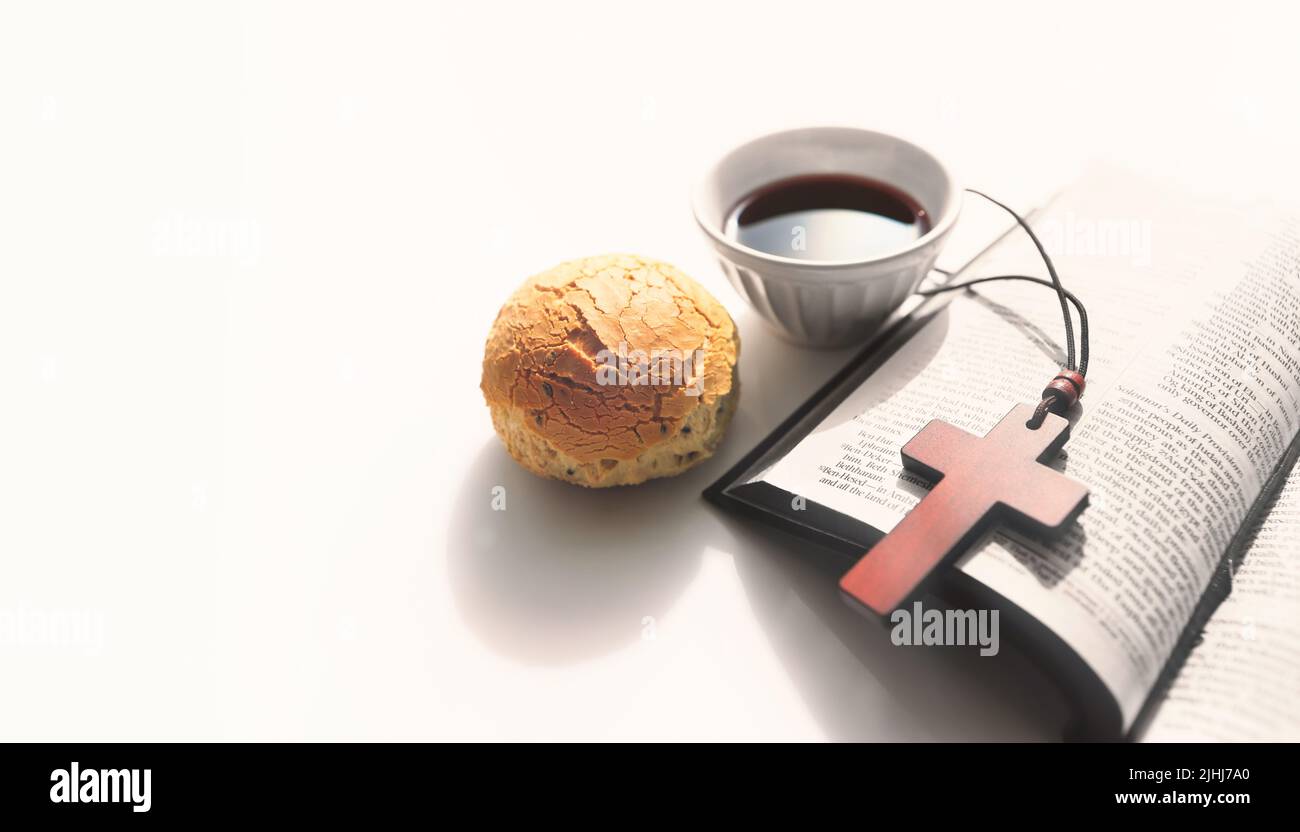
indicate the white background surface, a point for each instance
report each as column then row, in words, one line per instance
column 248, row 257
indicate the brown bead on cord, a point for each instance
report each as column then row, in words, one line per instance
column 1064, row 390
column 1058, row 397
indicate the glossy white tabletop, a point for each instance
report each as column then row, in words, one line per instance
column 250, row 254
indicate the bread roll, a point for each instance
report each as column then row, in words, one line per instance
column 611, row 370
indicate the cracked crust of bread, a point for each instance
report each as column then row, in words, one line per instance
column 542, row 371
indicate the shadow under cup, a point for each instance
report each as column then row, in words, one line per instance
column 827, row 303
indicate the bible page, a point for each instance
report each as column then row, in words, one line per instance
column 1240, row 683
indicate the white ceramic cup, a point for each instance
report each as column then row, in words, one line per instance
column 827, row 303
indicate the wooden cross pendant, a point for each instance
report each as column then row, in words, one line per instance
column 997, row 479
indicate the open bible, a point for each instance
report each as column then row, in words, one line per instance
column 1185, row 436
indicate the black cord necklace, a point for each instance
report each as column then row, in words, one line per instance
column 1066, row 388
